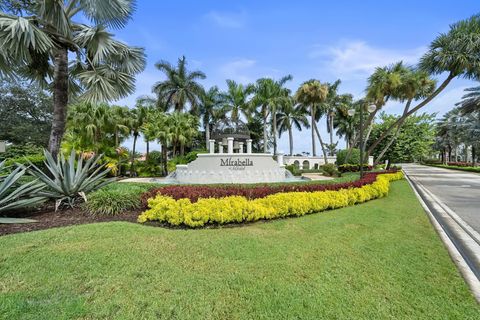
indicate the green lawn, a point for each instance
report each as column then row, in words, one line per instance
column 378, row 260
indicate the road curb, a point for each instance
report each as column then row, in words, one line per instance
column 464, row 232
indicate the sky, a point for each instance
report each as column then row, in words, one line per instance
column 247, row 40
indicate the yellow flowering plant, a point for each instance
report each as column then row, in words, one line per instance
column 237, row 209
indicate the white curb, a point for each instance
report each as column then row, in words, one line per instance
column 468, row 236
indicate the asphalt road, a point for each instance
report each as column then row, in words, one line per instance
column 460, row 191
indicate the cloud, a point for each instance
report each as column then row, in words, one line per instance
column 233, row 20
column 238, row 70
column 357, row 59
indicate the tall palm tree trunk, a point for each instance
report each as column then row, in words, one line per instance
column 60, row 100
column 324, row 151
column 290, row 139
column 474, row 160
column 312, row 115
column 265, row 134
column 275, row 138
column 132, row 158
column 207, row 136
column 148, row 151
column 165, row 158
column 330, row 124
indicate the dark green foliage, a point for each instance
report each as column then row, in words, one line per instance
column 294, row 170
column 353, row 159
column 412, row 143
column 25, row 113
column 116, row 198
column 18, row 151
column 330, row 170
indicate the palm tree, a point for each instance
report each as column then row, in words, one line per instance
column 183, row 130
column 269, row 94
column 289, row 116
column 36, row 41
column 330, row 107
column 209, row 106
column 346, row 125
column 120, row 123
column 414, row 84
column 454, row 53
column 235, row 100
column 470, row 101
column 180, row 87
column 138, row 116
column 310, row 95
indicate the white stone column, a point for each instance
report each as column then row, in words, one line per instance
column 280, row 158
column 249, row 146
column 230, row 145
column 240, row 147
column 212, row 145
column 220, row 147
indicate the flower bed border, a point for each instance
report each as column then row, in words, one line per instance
column 239, row 209
column 195, row 192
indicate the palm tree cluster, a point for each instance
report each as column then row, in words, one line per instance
column 84, row 67
column 458, row 131
column 39, row 38
column 266, row 99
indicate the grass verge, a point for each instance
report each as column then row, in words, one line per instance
column 378, row 260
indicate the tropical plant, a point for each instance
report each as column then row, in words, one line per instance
column 310, row 95
column 138, row 116
column 235, row 100
column 96, row 127
column 36, row 39
column 291, row 116
column 15, row 195
column 269, row 95
column 67, row 180
column 333, row 103
column 210, row 110
column 183, row 128
column 180, row 87
column 454, row 53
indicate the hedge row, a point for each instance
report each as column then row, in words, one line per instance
column 237, row 209
column 195, row 192
column 460, row 164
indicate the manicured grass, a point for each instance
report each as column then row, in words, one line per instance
column 378, row 260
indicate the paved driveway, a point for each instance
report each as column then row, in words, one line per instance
column 460, row 191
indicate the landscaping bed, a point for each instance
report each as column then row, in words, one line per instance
column 378, row 260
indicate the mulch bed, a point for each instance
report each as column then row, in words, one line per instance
column 47, row 218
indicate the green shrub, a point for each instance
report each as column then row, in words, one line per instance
column 20, row 151
column 155, row 157
column 36, row 159
column 293, row 170
column 116, row 198
column 330, row 170
column 354, row 157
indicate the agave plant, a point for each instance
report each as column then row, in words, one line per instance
column 69, row 180
column 14, row 195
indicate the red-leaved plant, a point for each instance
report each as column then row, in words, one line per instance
column 194, row 192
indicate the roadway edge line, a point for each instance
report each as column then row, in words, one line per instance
column 468, row 275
